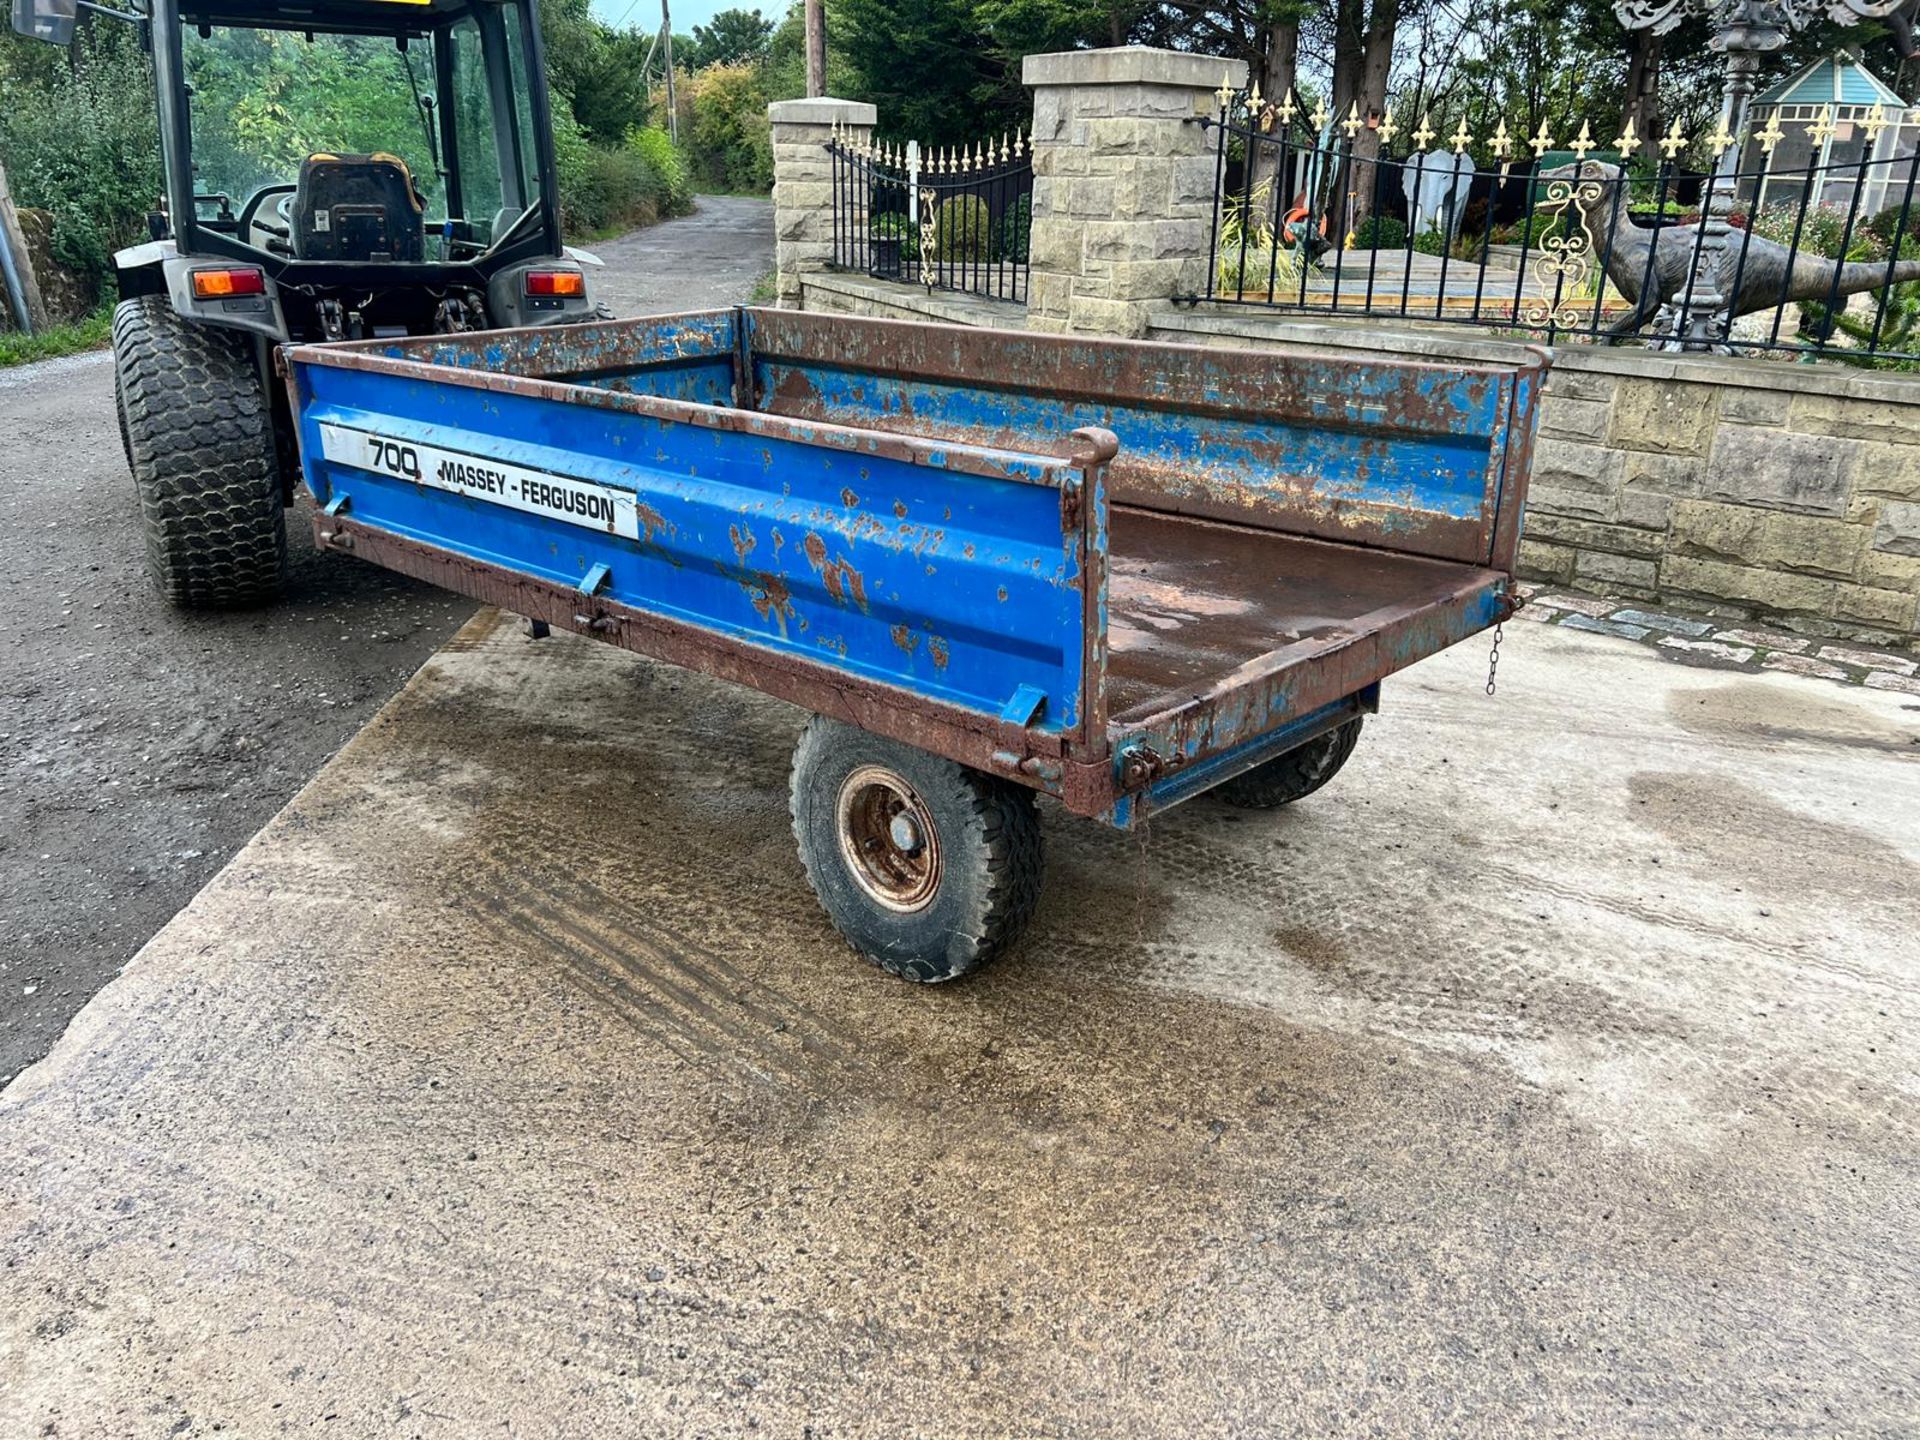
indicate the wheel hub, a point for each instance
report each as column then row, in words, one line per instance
column 887, row 839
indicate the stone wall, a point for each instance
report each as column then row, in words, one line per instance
column 1764, row 485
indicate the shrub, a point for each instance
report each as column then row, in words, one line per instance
column 1380, row 232
column 1431, row 241
column 895, row 226
column 669, row 167
column 606, row 190
column 81, row 141
column 962, row 229
column 1822, row 232
column 729, row 142
column 1015, row 231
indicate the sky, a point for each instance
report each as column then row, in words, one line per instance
column 686, row 13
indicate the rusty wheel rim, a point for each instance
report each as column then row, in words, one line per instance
column 888, row 840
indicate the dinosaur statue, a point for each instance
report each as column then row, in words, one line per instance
column 1766, row 279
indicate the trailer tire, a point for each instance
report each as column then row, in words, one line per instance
column 1297, row 773
column 199, row 436
column 928, row 868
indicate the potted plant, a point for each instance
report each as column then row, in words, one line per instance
column 890, row 240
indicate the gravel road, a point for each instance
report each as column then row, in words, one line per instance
column 139, row 747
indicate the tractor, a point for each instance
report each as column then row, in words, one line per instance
column 334, row 170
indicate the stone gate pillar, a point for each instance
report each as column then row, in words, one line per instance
column 803, row 183
column 1123, row 183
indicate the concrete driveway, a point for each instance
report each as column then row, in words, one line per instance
column 1552, row 1072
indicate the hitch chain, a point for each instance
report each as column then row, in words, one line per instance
column 1493, row 660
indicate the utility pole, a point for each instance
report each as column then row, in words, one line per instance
column 673, row 109
column 816, row 47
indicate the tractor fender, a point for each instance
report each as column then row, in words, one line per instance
column 157, row 268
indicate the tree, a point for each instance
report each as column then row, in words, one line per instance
column 736, row 37
column 927, row 65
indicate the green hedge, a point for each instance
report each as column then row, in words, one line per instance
column 606, row 190
column 81, row 142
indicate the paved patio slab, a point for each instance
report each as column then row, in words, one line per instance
column 1554, row 1071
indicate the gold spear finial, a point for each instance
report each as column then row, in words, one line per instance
column 1424, row 135
column 1460, row 138
column 1772, row 135
column 1353, row 122
column 1875, row 122
column 1626, row 142
column 1823, row 126
column 1225, row 93
column 1583, row 143
column 1542, row 141
column 1502, row 147
column 1673, row 142
column 1319, row 117
column 1721, row 138
column 1287, row 109
column 1253, row 99
column 1387, row 128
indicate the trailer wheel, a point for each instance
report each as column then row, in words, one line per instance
column 928, row 868
column 199, row 438
column 1299, row 772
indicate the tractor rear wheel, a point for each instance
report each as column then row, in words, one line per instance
column 199, row 437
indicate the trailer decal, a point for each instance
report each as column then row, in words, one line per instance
column 536, row 492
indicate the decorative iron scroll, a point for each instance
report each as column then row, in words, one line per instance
column 1662, row 16
column 1566, row 260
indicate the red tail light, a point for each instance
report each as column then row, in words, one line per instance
column 218, row 284
column 556, row 282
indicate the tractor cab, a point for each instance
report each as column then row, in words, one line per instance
column 339, row 169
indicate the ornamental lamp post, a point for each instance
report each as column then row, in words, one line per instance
column 1744, row 30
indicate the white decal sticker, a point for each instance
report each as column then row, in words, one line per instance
column 537, row 492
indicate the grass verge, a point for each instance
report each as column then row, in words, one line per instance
column 88, row 334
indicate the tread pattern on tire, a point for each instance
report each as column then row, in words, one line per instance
column 199, row 437
column 991, row 845
column 1294, row 775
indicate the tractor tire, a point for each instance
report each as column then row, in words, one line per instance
column 1297, row 773
column 928, row 868
column 199, row 436
column 120, row 413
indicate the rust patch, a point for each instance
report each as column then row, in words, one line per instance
column 900, row 509
column 849, row 499
column 651, row 520
column 937, row 648
column 842, row 580
column 743, row 542
column 771, row 599
column 905, row 639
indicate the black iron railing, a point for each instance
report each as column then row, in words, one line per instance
column 957, row 218
column 1313, row 215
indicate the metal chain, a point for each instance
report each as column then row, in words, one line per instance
column 1493, row 660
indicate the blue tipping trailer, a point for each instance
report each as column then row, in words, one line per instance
column 992, row 563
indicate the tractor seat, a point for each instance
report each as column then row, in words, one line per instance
column 357, row 207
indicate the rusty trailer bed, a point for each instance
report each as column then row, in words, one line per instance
column 1116, row 572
